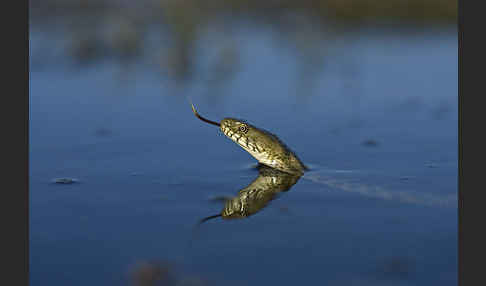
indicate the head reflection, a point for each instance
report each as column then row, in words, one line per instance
column 253, row 198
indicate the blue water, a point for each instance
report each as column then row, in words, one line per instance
column 147, row 168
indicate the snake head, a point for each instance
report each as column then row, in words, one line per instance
column 235, row 128
column 262, row 145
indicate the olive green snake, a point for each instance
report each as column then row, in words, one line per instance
column 280, row 169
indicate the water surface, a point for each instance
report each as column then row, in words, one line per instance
column 380, row 115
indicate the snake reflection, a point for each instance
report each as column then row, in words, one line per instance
column 256, row 196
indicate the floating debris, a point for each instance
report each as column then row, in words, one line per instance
column 153, row 273
column 65, row 180
column 158, row 273
column 370, row 143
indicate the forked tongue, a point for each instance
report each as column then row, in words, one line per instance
column 202, row 118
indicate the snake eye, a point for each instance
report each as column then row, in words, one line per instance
column 243, row 128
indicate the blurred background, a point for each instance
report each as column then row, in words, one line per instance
column 364, row 91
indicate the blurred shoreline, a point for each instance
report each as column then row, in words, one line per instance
column 167, row 33
column 414, row 11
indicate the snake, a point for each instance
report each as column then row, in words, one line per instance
column 263, row 145
column 271, row 152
